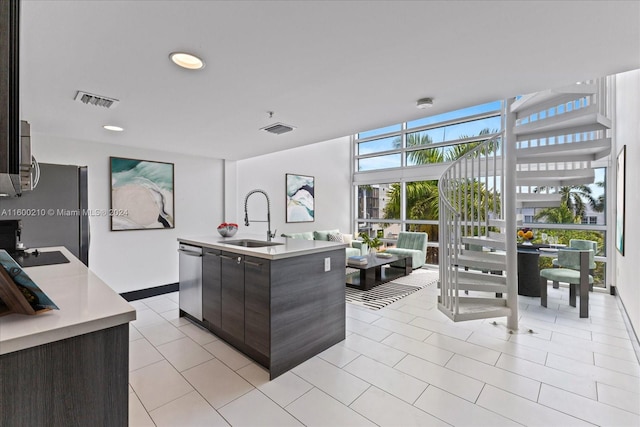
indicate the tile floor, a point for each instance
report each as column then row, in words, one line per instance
column 404, row 365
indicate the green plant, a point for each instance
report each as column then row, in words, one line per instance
column 371, row 242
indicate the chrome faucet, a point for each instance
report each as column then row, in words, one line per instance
column 268, row 221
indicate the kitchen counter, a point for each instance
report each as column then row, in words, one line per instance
column 68, row 366
column 287, row 249
column 86, row 305
column 280, row 305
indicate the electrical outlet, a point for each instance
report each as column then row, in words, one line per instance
column 327, row 264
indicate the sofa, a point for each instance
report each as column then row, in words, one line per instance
column 355, row 247
column 411, row 243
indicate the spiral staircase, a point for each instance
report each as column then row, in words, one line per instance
column 550, row 140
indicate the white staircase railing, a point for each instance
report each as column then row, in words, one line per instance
column 470, row 192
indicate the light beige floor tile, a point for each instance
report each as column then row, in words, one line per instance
column 336, row 382
column 457, row 411
column 217, row 383
column 362, row 314
column 403, row 329
column 540, row 325
column 572, row 352
column 595, row 373
column 586, row 409
column 139, row 305
column 386, row 378
column 134, row 334
column 255, row 409
column 286, row 388
column 172, row 314
column 146, row 318
column 173, row 296
column 508, row 347
column 255, row 374
column 387, row 410
column 420, row 311
column 619, row 398
column 614, row 364
column 448, row 329
column 544, row 374
column 198, row 334
column 184, row 353
column 374, row 350
column 162, row 305
column 524, row 411
column 578, row 344
column 366, row 329
column 501, row 378
column 473, row 351
column 446, row 379
column 317, row 409
column 613, row 341
column 389, row 312
column 419, row 349
column 161, row 333
column 227, row 354
column 142, row 353
column 176, row 321
column 188, row 410
column 612, row 328
column 158, row 384
column 338, row 355
column 138, row 416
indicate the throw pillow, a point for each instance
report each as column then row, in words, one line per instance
column 335, row 237
column 347, row 238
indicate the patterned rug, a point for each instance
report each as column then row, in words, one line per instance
column 390, row 292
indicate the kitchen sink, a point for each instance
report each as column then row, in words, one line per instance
column 247, row 243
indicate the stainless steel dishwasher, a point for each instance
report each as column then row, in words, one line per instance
column 190, row 275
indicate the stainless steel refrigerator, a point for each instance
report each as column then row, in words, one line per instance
column 55, row 212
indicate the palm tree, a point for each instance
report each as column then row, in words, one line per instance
column 557, row 215
column 576, row 198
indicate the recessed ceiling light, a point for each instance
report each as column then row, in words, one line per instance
column 187, row 60
column 424, row 103
column 113, row 128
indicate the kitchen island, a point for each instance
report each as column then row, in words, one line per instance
column 280, row 304
column 68, row 366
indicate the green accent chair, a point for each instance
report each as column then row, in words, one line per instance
column 411, row 243
column 574, row 271
column 583, row 245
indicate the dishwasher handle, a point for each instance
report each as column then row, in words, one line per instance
column 190, row 253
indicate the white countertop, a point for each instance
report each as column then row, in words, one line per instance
column 287, row 249
column 86, row 303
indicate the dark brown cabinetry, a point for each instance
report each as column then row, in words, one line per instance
column 211, row 287
column 232, row 294
column 256, row 304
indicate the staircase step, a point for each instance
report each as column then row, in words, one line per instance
column 501, row 223
column 540, row 101
column 555, row 178
column 482, row 261
column 472, row 308
column 478, row 277
column 582, row 120
column 570, row 151
column 487, row 242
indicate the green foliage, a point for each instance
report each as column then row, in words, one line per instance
column 558, row 215
column 371, row 242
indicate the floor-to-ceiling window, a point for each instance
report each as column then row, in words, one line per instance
column 397, row 170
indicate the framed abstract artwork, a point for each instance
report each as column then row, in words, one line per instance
column 300, row 198
column 620, row 195
column 142, row 195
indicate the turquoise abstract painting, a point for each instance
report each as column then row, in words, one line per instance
column 141, row 194
column 300, row 198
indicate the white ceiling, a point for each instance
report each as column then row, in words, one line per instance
column 329, row 68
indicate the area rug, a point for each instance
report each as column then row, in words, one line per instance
column 390, row 292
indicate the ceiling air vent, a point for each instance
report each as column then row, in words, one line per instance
column 278, row 128
column 97, row 100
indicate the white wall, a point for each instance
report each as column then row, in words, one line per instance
column 132, row 260
column 328, row 162
column 627, row 132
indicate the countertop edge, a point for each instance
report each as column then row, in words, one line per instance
column 46, row 337
column 289, row 248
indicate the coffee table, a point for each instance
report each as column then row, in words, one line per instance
column 372, row 274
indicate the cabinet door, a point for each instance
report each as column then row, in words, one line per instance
column 232, row 285
column 257, row 296
column 211, row 289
